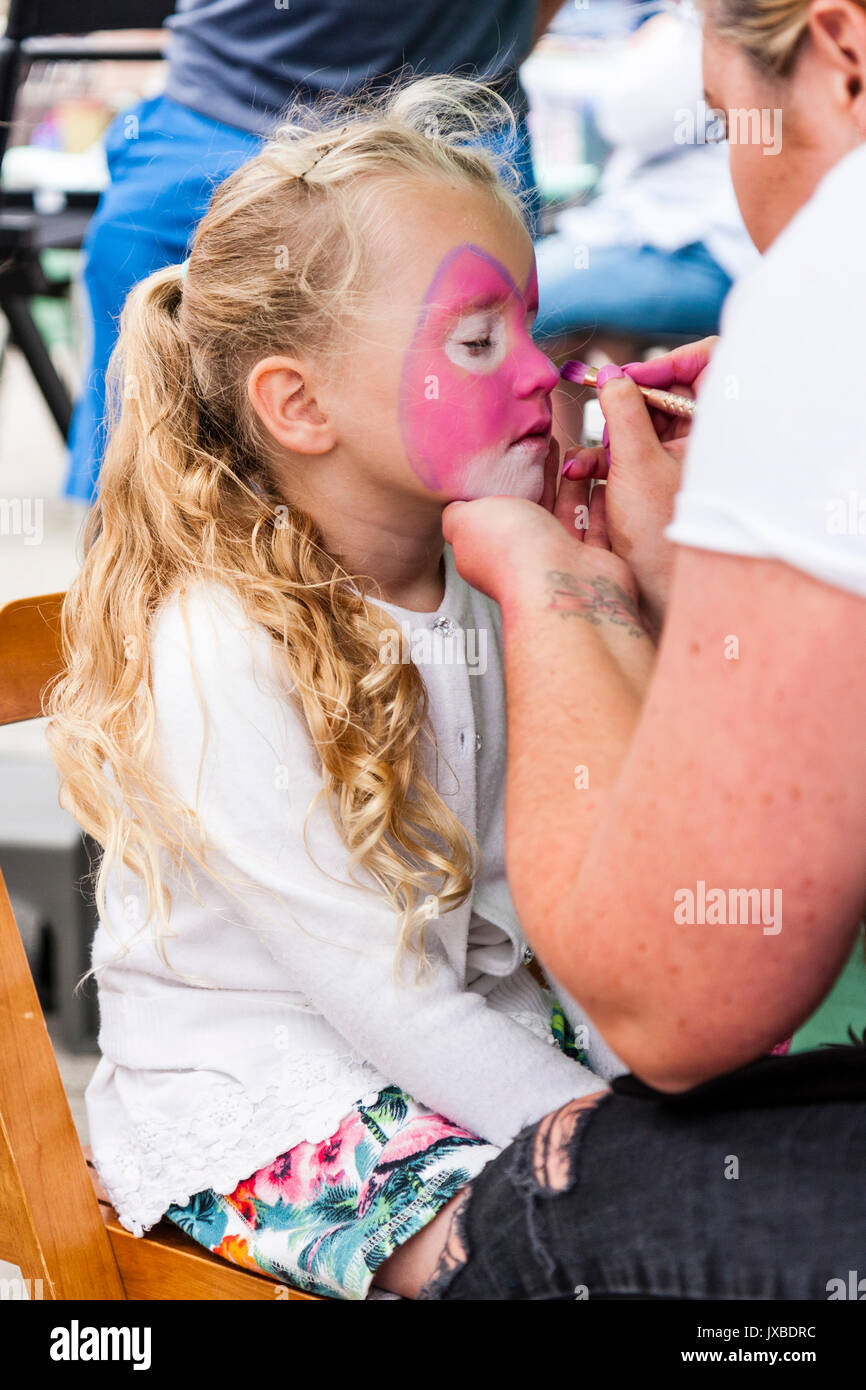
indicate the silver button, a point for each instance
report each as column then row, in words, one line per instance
column 446, row 626
column 478, row 743
column 528, row 954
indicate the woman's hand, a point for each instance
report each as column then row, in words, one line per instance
column 497, row 540
column 508, row 547
column 642, row 462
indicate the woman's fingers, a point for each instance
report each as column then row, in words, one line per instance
column 585, row 463
column 572, row 502
column 572, row 506
column 627, row 418
column 596, row 531
column 682, row 367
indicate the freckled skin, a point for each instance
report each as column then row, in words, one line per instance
column 473, row 381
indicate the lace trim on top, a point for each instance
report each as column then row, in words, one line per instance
column 228, row 1135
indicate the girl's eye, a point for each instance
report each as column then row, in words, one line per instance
column 483, row 348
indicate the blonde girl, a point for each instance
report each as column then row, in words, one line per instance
column 283, row 712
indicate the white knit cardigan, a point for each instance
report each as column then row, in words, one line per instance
column 278, row 1010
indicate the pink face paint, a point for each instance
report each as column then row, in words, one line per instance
column 473, row 382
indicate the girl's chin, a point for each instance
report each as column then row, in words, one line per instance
column 508, row 476
column 530, row 490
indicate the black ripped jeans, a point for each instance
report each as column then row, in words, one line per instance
column 750, row 1186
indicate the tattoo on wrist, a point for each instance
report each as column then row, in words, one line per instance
column 595, row 600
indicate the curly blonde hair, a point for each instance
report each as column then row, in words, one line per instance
column 281, row 257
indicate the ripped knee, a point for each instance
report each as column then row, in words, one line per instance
column 454, row 1252
column 552, row 1150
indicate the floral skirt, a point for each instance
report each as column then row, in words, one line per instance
column 324, row 1216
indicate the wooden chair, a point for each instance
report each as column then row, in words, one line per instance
column 56, row 1223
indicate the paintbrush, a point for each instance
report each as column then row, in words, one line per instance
column 668, row 401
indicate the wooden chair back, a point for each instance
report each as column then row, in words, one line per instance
column 56, row 1224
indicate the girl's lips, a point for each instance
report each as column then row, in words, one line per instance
column 540, row 430
column 533, row 443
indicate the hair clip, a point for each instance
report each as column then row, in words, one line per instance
column 315, row 162
column 325, row 151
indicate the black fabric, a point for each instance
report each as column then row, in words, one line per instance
column 828, row 1074
column 751, row 1186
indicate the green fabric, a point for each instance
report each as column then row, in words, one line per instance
column 843, row 1008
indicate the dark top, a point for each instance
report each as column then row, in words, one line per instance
column 240, row 61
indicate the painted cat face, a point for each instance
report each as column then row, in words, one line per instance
column 473, row 382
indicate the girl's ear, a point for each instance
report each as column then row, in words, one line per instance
column 838, row 32
column 281, row 392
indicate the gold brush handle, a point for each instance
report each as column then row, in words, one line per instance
column 669, row 402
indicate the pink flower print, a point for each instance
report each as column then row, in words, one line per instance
column 298, row 1174
column 290, row 1178
column 328, row 1160
column 329, row 1151
column 335, row 1154
column 420, row 1134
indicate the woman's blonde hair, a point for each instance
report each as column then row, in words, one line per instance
column 770, row 32
column 281, row 259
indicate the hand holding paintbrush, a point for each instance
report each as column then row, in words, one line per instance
column 644, row 473
column 668, row 401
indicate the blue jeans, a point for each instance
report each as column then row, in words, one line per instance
column 165, row 161
column 628, row 290
column 751, row 1186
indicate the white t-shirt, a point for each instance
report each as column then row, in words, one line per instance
column 776, row 466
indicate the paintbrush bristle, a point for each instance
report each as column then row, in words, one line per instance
column 575, row 371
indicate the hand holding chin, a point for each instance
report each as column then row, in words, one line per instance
column 495, row 539
column 502, row 544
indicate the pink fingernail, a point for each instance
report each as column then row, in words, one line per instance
column 566, row 468
column 605, row 438
column 607, row 373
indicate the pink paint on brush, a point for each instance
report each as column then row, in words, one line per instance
column 575, row 371
column 668, row 401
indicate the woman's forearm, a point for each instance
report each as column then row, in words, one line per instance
column 577, row 662
column 664, row 918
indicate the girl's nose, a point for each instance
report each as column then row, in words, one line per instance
column 533, row 370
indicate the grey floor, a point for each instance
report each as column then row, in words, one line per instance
column 32, row 467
